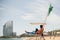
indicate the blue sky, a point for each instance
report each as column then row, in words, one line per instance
column 23, row 12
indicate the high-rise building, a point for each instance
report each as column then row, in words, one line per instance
column 8, row 28
column 14, row 34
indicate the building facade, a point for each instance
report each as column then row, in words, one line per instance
column 14, row 33
column 8, row 28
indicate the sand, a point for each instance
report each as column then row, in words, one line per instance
column 46, row 38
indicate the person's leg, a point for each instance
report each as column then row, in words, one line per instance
column 43, row 36
column 39, row 37
column 54, row 37
column 36, row 36
column 50, row 36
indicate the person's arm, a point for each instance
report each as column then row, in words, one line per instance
column 26, row 31
column 33, row 32
column 40, row 31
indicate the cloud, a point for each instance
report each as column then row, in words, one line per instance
column 53, row 19
column 38, row 7
column 28, row 17
column 35, row 10
column 39, row 10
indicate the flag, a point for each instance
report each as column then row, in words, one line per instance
column 50, row 9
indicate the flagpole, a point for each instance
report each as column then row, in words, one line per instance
column 49, row 11
column 45, row 19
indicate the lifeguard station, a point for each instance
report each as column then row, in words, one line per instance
column 43, row 23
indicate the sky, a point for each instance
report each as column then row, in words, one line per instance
column 24, row 12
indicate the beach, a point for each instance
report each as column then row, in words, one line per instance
column 46, row 38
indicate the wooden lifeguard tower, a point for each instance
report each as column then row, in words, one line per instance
column 43, row 23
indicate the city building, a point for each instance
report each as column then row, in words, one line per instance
column 14, row 34
column 8, row 28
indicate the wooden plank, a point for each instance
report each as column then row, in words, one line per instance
column 36, row 23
